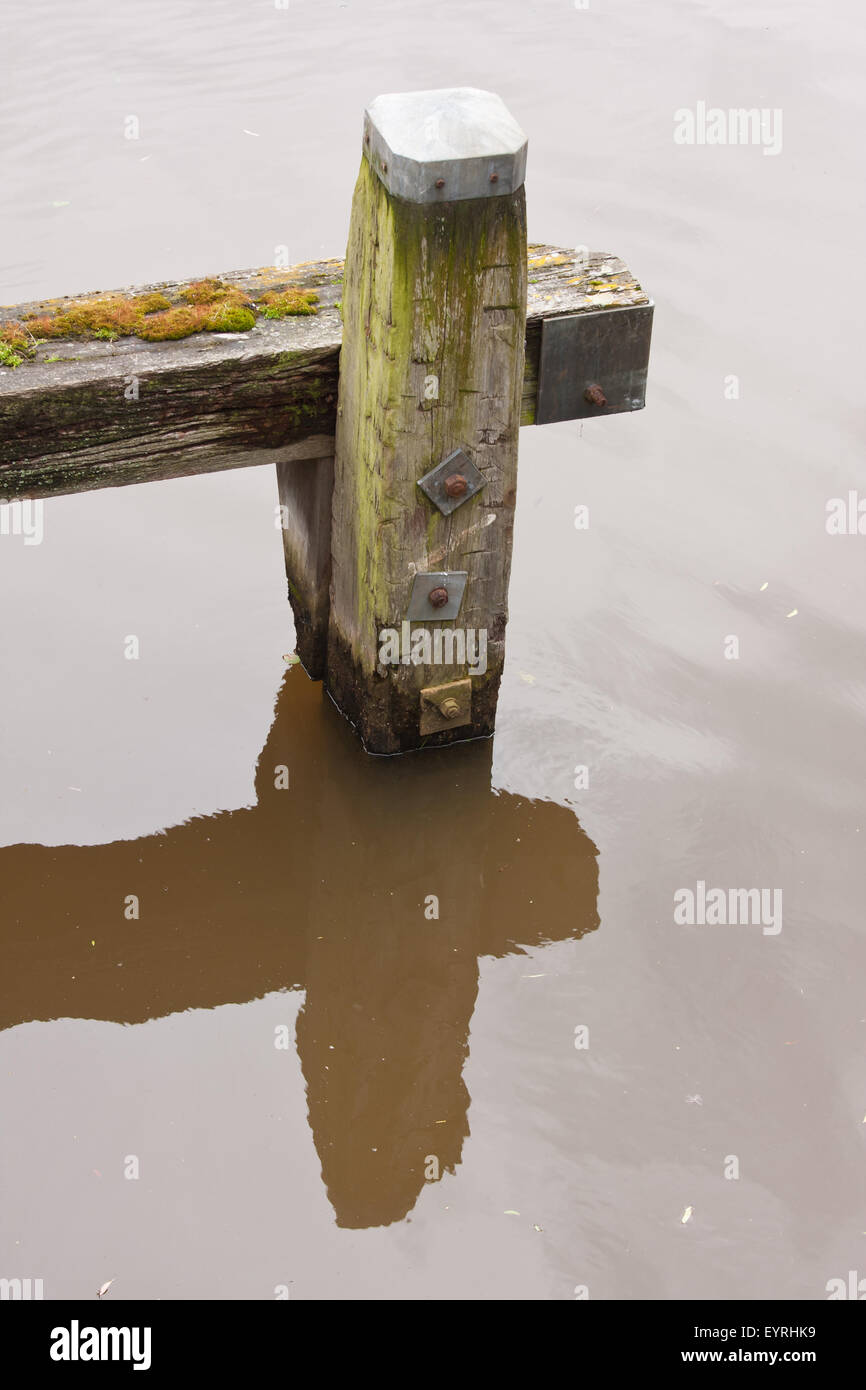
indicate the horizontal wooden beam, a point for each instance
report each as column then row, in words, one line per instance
column 85, row 414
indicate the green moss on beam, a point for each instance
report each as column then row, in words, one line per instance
column 204, row 306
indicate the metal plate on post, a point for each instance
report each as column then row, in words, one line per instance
column 422, row 610
column 457, row 464
column 593, row 364
column 446, row 706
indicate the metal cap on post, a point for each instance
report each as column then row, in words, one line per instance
column 430, row 147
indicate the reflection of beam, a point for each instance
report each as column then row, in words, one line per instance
column 320, row 887
column 218, row 401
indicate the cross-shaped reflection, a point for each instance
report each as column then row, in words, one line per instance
column 325, row 886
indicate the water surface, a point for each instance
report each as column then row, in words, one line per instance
column 269, row 916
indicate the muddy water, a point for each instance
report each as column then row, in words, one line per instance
column 282, row 1041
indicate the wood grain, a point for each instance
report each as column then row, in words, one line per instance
column 111, row 414
column 433, row 294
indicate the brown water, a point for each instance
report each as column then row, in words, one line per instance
column 298, row 916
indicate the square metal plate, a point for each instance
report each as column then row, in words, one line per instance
column 609, row 348
column 421, row 609
column 432, row 720
column 433, row 483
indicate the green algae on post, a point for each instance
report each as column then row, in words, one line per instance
column 429, row 293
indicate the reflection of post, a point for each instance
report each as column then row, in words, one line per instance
column 434, row 310
column 399, row 919
column 383, row 1038
column 320, row 887
column 305, row 490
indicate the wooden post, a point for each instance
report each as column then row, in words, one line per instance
column 398, row 481
column 434, row 310
column 305, row 490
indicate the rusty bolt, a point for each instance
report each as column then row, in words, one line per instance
column 595, row 396
column 456, row 485
column 449, row 709
column 367, row 138
column 440, row 183
column 438, row 597
column 494, row 178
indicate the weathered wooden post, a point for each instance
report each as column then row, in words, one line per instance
column 431, row 375
column 392, row 417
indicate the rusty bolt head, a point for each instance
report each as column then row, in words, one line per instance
column 440, row 183
column 456, row 485
column 438, row 597
column 594, row 395
column 449, row 709
column 367, row 138
column 494, row 178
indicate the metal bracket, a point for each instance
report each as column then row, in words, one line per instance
column 446, row 706
column 452, row 482
column 436, row 596
column 593, row 364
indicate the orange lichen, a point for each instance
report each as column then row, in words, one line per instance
column 280, row 303
column 178, row 322
column 205, row 306
column 229, row 317
column 212, row 292
column 186, row 319
column 114, row 315
column 108, row 317
column 153, row 302
column 15, row 335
